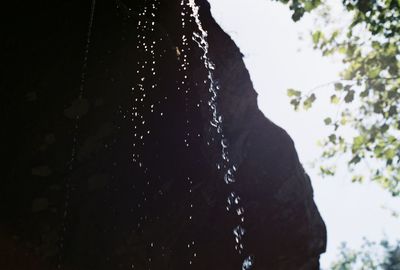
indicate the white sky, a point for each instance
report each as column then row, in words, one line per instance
column 269, row 40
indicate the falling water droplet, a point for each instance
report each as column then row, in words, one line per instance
column 248, row 263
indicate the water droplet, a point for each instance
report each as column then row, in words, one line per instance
column 248, row 263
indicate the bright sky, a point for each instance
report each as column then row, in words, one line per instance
column 269, row 41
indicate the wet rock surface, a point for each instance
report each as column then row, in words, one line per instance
column 116, row 200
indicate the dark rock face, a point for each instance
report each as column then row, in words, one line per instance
column 100, row 207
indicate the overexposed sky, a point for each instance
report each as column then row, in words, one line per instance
column 278, row 60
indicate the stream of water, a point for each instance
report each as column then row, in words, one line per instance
column 228, row 169
column 68, row 185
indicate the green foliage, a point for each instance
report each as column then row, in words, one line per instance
column 370, row 256
column 368, row 94
column 299, row 7
column 307, row 103
column 297, row 99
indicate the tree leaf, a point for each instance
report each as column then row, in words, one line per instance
column 309, row 101
column 334, row 99
column 338, row 86
column 293, row 93
column 349, row 96
column 328, row 121
column 316, row 36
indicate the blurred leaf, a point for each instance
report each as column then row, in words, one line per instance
column 338, row 86
column 334, row 99
column 309, row 101
column 316, row 37
column 328, row 121
column 357, row 178
column 349, row 96
column 293, row 93
column 327, row 170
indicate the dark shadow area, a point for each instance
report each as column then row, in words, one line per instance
column 92, row 193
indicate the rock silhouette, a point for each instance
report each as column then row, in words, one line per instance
column 143, row 187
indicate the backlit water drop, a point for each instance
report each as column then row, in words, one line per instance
column 216, row 122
